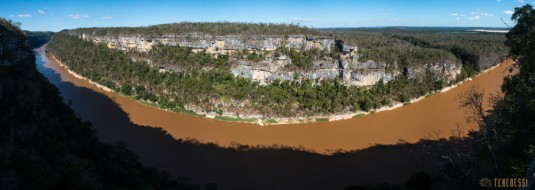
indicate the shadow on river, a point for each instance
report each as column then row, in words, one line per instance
column 260, row 167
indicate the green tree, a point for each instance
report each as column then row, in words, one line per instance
column 520, row 37
column 513, row 115
column 126, row 89
column 504, row 143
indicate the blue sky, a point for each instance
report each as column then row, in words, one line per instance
column 57, row 15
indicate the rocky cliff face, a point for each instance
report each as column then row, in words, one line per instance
column 13, row 47
column 212, row 44
column 347, row 68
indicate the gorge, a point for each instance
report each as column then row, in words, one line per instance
column 204, row 149
column 209, row 95
column 334, row 141
column 346, row 67
column 271, row 66
column 410, row 123
column 247, row 77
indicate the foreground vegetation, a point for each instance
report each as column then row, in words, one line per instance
column 43, row 145
column 504, row 144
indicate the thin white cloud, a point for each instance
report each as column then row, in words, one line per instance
column 520, row 1
column 457, row 16
column 508, row 12
column 481, row 13
column 40, row 11
column 77, row 16
column 299, row 19
column 11, row 15
column 478, row 15
column 24, row 15
column 107, row 17
column 475, row 17
column 385, row 14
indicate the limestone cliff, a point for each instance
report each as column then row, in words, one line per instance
column 346, row 67
column 212, row 44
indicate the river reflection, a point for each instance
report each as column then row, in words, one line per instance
column 117, row 118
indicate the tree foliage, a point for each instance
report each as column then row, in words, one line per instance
column 206, row 84
column 512, row 116
column 504, row 143
column 477, row 50
column 212, row 28
column 37, row 39
column 43, row 145
column 518, row 38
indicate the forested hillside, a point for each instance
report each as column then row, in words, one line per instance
column 183, row 78
column 214, row 88
column 37, row 39
column 476, row 50
column 43, row 145
column 212, row 28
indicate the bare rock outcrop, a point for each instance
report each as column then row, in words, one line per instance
column 347, row 68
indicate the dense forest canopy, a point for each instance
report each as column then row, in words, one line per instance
column 43, row 145
column 37, row 39
column 210, row 89
column 213, row 28
column 476, row 49
column 13, row 27
column 403, row 46
column 204, row 81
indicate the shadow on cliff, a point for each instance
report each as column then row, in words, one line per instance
column 249, row 167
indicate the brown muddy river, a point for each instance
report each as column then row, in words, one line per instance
column 120, row 118
column 410, row 122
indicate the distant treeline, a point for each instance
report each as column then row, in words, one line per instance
column 213, row 28
column 37, row 39
column 478, row 50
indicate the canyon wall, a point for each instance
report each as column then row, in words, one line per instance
column 212, row 44
column 346, row 67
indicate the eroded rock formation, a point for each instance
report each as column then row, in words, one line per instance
column 346, row 67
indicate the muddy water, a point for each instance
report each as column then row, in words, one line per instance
column 410, row 122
